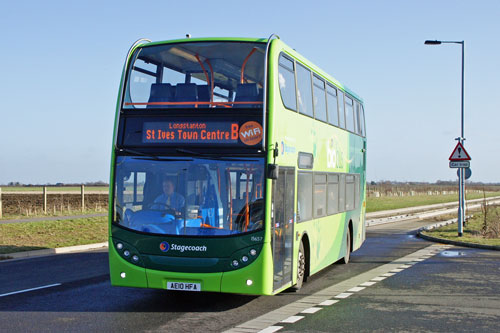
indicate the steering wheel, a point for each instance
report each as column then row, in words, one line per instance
column 164, row 207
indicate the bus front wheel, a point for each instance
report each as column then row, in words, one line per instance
column 301, row 267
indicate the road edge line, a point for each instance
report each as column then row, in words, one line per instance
column 49, row 252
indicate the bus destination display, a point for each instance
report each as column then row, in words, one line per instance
column 202, row 132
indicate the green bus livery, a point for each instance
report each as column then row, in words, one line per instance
column 237, row 166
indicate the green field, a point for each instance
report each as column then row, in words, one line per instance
column 472, row 231
column 52, row 188
column 388, row 203
column 18, row 237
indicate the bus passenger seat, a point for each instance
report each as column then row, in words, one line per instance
column 160, row 92
column 186, row 92
column 248, row 92
column 203, row 95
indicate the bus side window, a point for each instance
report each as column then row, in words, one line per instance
column 319, row 98
column 362, row 120
column 304, row 90
column 341, row 109
column 356, row 118
column 319, row 200
column 357, row 191
column 286, row 80
column 349, row 114
column 342, row 193
column 304, row 196
column 350, row 193
column 333, row 113
column 333, row 194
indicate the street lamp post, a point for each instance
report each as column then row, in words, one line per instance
column 461, row 139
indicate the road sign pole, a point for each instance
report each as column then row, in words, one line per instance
column 460, row 211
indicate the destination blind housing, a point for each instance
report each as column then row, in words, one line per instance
column 181, row 131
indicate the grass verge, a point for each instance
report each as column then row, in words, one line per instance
column 472, row 232
column 35, row 215
column 18, row 237
column 388, row 203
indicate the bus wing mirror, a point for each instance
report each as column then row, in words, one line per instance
column 272, row 171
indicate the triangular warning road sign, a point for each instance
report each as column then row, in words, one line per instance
column 459, row 154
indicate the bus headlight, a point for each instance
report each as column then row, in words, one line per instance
column 253, row 252
column 235, row 263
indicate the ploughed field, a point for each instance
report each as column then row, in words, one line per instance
column 29, row 204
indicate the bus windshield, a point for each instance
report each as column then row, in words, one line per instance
column 189, row 196
column 196, row 75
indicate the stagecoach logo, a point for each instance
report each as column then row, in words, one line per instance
column 164, row 246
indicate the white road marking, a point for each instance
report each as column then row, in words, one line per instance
column 379, row 278
column 31, row 289
column 271, row 329
column 343, row 295
column 397, row 270
column 328, row 302
column 368, row 283
column 388, row 274
column 356, row 289
column 292, row 319
column 311, row 310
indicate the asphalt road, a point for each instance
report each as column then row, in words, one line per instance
column 78, row 296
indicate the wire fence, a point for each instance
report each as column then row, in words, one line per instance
column 51, row 202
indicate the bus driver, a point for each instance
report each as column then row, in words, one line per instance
column 169, row 198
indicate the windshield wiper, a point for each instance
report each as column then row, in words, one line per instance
column 212, row 157
column 131, row 151
column 163, row 159
column 188, row 152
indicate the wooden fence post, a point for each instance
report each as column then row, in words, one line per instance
column 45, row 199
column 83, row 197
column 1, row 213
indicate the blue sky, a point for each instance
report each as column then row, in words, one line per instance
column 61, row 63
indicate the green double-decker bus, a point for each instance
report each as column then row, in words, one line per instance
column 238, row 166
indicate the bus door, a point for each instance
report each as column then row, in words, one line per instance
column 282, row 230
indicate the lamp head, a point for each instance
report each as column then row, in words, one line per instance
column 432, row 42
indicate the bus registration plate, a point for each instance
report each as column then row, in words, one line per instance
column 186, row 286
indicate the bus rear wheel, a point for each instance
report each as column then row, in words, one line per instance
column 301, row 267
column 347, row 256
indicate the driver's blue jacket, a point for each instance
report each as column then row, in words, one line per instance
column 175, row 201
